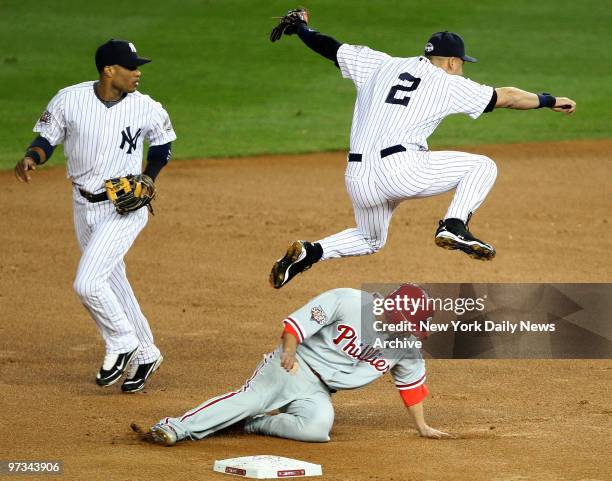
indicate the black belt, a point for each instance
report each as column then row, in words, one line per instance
column 394, row 149
column 101, row 197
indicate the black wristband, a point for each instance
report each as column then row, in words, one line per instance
column 44, row 145
column 546, row 100
column 34, row 155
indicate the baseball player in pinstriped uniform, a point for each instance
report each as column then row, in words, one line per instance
column 102, row 125
column 325, row 348
column 400, row 102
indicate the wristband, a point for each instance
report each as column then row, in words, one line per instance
column 34, row 155
column 546, row 100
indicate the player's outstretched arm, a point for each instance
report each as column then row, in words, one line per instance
column 426, row 431
column 513, row 98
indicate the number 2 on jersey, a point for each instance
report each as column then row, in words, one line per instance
column 392, row 99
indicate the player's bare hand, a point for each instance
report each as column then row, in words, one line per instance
column 23, row 166
column 287, row 360
column 563, row 104
column 429, row 432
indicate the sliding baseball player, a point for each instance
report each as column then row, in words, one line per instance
column 326, row 347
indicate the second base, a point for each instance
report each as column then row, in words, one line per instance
column 265, row 466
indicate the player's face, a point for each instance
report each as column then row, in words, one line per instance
column 126, row 79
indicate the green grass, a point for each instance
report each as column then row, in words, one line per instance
column 229, row 91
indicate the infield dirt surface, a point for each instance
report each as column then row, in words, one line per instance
column 200, row 271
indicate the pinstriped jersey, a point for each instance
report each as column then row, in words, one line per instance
column 403, row 100
column 331, row 328
column 103, row 142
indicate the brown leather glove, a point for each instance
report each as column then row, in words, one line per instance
column 288, row 24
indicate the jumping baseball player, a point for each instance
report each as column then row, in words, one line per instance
column 324, row 349
column 400, row 102
column 103, row 125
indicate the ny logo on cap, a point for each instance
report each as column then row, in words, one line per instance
column 429, row 47
column 132, row 48
column 129, row 140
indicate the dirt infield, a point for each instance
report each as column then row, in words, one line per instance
column 200, row 271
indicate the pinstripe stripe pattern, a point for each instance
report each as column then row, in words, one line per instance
column 101, row 283
column 377, row 193
column 378, row 185
column 93, row 134
column 378, row 124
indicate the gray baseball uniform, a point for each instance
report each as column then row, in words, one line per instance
column 331, row 356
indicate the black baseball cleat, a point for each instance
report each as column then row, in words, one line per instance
column 113, row 367
column 138, row 374
column 453, row 234
column 300, row 256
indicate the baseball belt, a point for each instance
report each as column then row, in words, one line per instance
column 93, row 198
column 394, row 149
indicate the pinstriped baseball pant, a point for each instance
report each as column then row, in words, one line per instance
column 101, row 283
column 377, row 186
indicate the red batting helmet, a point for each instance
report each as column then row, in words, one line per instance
column 410, row 304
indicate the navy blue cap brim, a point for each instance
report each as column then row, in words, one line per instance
column 467, row 58
column 138, row 61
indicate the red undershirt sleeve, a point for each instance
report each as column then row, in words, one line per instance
column 414, row 396
column 290, row 330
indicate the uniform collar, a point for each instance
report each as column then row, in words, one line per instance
column 107, row 103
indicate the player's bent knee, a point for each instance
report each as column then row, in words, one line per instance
column 85, row 288
column 490, row 164
column 80, row 287
column 316, row 429
column 315, row 433
column 318, row 439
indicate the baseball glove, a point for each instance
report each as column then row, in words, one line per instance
column 288, row 24
column 130, row 193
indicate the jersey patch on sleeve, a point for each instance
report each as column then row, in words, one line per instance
column 45, row 118
column 317, row 314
